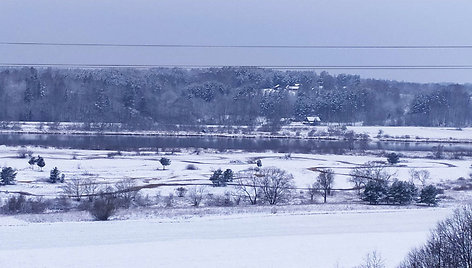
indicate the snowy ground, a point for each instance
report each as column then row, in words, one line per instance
column 336, row 239
column 293, row 130
column 145, row 168
column 333, row 235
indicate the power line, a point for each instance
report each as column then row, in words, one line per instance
column 284, row 67
column 155, row 45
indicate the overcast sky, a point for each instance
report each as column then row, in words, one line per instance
column 244, row 22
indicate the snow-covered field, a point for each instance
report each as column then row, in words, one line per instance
column 321, row 236
column 145, row 168
column 335, row 239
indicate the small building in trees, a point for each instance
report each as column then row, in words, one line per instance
column 312, row 120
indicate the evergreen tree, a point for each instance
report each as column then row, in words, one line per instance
column 40, row 162
column 55, row 175
column 216, row 178
column 7, row 176
column 393, row 158
column 32, row 161
column 259, row 163
column 228, row 176
column 402, row 192
column 164, row 162
column 220, row 178
column 375, row 191
column 428, row 195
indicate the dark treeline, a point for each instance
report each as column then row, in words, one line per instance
column 230, row 95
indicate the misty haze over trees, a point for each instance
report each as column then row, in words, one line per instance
column 229, row 95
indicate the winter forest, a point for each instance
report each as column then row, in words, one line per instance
column 230, row 95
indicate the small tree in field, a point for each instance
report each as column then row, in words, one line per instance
column 421, row 176
column 32, row 161
column 375, row 191
column 276, row 185
column 248, row 183
column 7, row 176
column 55, row 175
column 325, row 182
column 180, row 191
column 75, row 188
column 40, row 162
column 259, row 163
column 216, row 178
column 402, row 192
column 228, row 175
column 196, row 194
column 373, row 260
column 313, row 190
column 428, row 195
column 164, row 162
column 393, row 158
column 220, row 178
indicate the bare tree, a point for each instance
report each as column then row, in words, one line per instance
column 373, row 260
column 248, row 183
column 313, row 190
column 421, row 176
column 74, row 188
column 449, row 245
column 126, row 191
column 90, row 188
column 369, row 171
column 276, row 184
column 359, row 177
column 196, row 194
column 325, row 182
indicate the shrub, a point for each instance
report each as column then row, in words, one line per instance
column 20, row 204
column 169, row 200
column 191, row 167
column 23, row 153
column 220, row 200
column 393, row 158
column 7, row 176
column 196, row 195
column 126, row 192
column 103, row 207
column 181, row 191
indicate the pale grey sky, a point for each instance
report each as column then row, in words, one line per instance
column 244, row 22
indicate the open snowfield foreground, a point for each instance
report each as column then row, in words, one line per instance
column 333, row 239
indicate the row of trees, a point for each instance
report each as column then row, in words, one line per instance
column 229, row 95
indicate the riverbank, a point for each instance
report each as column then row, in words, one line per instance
column 295, row 131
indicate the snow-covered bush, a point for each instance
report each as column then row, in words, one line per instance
column 104, row 206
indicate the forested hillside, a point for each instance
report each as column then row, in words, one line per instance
column 225, row 96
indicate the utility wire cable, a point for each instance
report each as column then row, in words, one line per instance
column 159, row 45
column 285, row 67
